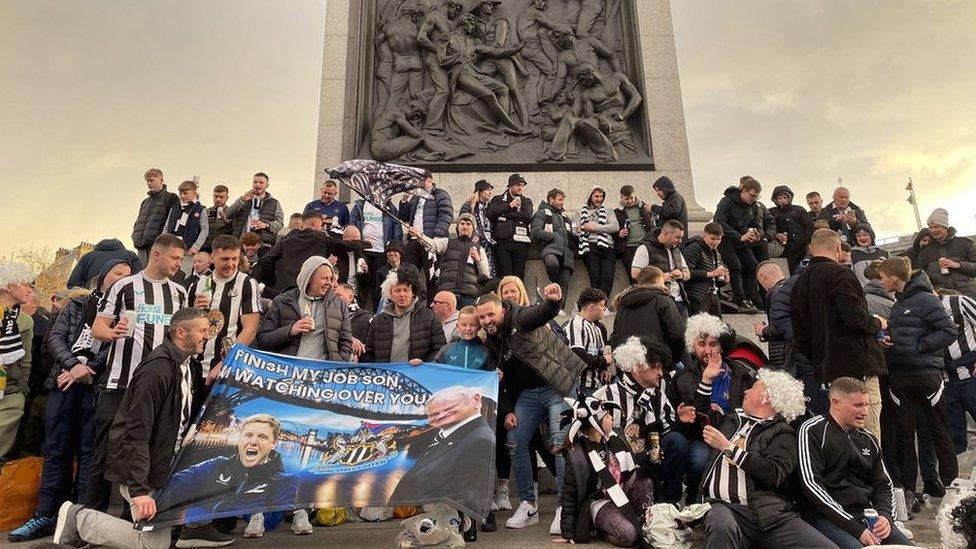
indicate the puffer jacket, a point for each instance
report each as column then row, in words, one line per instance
column 458, row 275
column 700, row 260
column 779, row 307
column 649, row 311
column 438, row 213
column 663, row 258
column 523, row 332
column 779, row 347
column 879, row 301
column 862, row 256
column 18, row 372
column 736, row 217
column 274, row 333
column 558, row 241
column 270, row 212
column 920, row 329
column 91, row 263
column 426, row 335
column 673, row 207
column 956, row 248
column 152, row 217
column 829, row 211
column 794, row 221
column 772, row 459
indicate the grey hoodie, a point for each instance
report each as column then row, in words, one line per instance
column 400, row 349
column 313, row 343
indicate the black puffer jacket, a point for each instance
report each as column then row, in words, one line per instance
column 152, row 217
column 700, row 260
column 779, row 346
column 956, row 248
column 426, row 335
column 438, row 213
column 772, row 459
column 649, row 311
column 274, row 334
column 360, row 319
column 736, row 217
column 920, row 330
column 794, row 221
column 458, row 275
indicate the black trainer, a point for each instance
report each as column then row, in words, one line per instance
column 490, row 524
column 203, row 536
column 935, row 489
column 746, row 307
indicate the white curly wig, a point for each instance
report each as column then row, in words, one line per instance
column 703, row 325
column 14, row 273
column 785, row 393
column 629, row 355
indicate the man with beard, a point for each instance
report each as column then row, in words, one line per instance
column 257, row 211
column 510, row 214
column 253, row 480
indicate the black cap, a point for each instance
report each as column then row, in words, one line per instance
column 516, row 178
column 481, row 185
column 394, row 246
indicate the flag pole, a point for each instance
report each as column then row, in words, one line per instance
column 914, row 202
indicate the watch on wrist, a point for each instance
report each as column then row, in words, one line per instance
column 727, row 452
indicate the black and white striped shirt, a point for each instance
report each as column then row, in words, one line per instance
column 232, row 298
column 587, row 337
column 727, row 481
column 646, row 407
column 962, row 309
column 186, row 401
column 151, row 304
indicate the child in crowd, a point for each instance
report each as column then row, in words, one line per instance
column 468, row 351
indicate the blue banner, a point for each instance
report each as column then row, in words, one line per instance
column 284, row 433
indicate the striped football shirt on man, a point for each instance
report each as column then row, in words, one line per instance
column 587, row 337
column 232, row 298
column 151, row 304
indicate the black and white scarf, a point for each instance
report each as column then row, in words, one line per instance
column 11, row 344
column 603, row 240
column 589, row 411
column 179, row 225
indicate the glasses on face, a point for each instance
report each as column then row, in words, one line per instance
column 435, row 302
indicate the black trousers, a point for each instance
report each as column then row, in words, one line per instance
column 710, row 304
column 601, row 265
column 372, row 290
column 925, row 394
column 99, row 489
column 734, row 526
column 628, row 259
column 742, row 263
column 558, row 273
column 510, row 258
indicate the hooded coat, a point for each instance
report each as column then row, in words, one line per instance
column 91, row 264
column 912, row 252
column 829, row 211
column 674, row 206
column 649, row 311
column 956, row 248
column 794, row 221
column 736, row 217
column 920, row 330
column 862, row 256
column 560, row 240
column 274, row 334
column 437, row 216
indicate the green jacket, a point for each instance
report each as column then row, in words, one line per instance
column 17, row 372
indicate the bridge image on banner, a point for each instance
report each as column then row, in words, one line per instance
column 282, row 433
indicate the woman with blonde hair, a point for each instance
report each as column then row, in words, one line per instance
column 512, row 289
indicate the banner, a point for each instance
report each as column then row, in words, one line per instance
column 283, row 433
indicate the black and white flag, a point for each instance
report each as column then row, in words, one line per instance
column 376, row 181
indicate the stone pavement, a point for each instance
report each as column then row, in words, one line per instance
column 380, row 535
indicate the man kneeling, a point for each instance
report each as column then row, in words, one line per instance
column 842, row 472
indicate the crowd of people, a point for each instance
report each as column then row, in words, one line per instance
column 869, row 356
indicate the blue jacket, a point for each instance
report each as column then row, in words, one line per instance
column 780, row 323
column 222, row 487
column 392, row 230
column 438, row 213
column 920, row 330
column 472, row 355
column 90, row 264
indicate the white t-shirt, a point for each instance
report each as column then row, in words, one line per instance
column 373, row 227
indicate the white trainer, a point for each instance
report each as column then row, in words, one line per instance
column 556, row 528
column 502, row 500
column 527, row 514
column 300, row 524
column 255, row 526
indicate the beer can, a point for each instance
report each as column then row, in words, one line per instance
column 870, row 518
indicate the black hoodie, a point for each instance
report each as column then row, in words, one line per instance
column 794, row 221
column 92, row 263
column 674, row 206
column 649, row 311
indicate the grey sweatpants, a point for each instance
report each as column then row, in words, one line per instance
column 104, row 530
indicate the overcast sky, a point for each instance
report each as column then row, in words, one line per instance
column 796, row 93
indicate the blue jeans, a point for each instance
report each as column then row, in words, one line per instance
column 960, row 399
column 846, row 541
column 532, row 408
column 683, row 460
column 69, row 424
